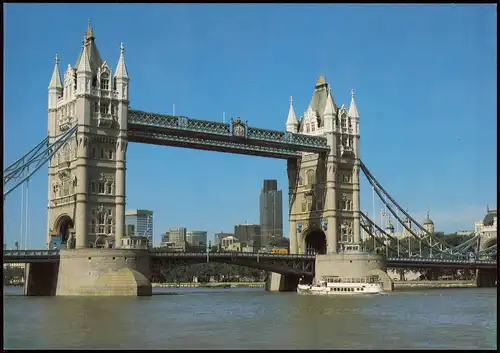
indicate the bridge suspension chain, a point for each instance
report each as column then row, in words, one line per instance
column 20, row 171
column 368, row 225
column 428, row 239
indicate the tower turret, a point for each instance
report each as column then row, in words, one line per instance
column 329, row 113
column 55, row 85
column 291, row 122
column 428, row 223
column 121, row 77
column 354, row 115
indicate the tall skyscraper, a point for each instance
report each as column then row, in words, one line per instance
column 140, row 223
column 271, row 210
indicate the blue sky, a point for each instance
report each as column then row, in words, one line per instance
column 425, row 81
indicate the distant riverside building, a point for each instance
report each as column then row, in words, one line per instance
column 271, row 209
column 227, row 242
column 139, row 223
column 248, row 234
column 175, row 239
column 220, row 236
column 196, row 238
column 488, row 225
column 428, row 225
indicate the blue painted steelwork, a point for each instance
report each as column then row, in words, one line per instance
column 20, row 171
column 236, row 137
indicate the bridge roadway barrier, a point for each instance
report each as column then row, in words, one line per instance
column 128, row 272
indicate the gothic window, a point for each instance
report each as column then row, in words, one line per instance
column 102, row 153
column 67, row 151
column 307, row 127
column 351, row 141
column 313, row 126
column 112, row 109
column 100, row 222
column 109, row 229
column 105, row 81
column 96, row 107
column 311, row 177
column 94, row 81
column 108, row 188
column 110, row 212
column 344, row 140
column 93, row 152
column 110, row 154
column 65, row 188
column 114, row 83
column 92, row 227
column 101, row 188
column 343, row 122
column 104, row 108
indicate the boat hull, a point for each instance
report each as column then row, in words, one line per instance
column 333, row 291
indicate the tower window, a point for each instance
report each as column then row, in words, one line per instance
column 96, row 107
column 110, row 154
column 105, row 81
column 94, row 81
column 108, row 187
column 104, row 108
column 101, row 188
column 102, row 152
column 114, row 83
column 92, row 227
column 307, row 127
column 93, row 152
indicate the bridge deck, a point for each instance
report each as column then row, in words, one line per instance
column 168, row 130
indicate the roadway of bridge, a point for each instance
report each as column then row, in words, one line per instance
column 37, row 256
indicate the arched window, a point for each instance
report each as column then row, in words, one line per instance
column 92, row 227
column 109, row 227
column 114, row 83
column 105, row 81
column 311, row 177
column 94, row 81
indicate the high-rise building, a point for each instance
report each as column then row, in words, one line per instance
column 177, row 235
column 271, row 210
column 220, row 236
column 140, row 223
column 196, row 238
column 248, row 234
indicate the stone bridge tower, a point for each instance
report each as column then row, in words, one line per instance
column 86, row 199
column 324, row 189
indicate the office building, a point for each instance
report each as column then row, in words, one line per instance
column 140, row 223
column 220, row 236
column 248, row 234
column 271, row 210
column 196, row 238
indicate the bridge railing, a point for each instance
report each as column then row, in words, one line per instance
column 28, row 253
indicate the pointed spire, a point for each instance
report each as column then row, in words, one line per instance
column 330, row 107
column 90, row 31
column 292, row 119
column 353, row 111
column 55, row 81
column 121, row 69
column 84, row 62
column 321, row 80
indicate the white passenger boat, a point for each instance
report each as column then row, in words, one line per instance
column 334, row 285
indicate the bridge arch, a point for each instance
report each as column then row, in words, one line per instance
column 315, row 239
column 101, row 242
column 62, row 225
column 488, row 243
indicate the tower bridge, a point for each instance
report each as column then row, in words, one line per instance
column 90, row 124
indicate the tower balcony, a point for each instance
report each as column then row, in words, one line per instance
column 105, row 120
column 65, row 123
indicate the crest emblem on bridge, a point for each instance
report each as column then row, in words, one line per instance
column 239, row 127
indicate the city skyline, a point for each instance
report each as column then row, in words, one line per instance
column 424, row 80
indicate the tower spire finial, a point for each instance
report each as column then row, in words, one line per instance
column 291, row 100
column 90, row 31
column 122, row 48
column 57, row 59
column 352, row 92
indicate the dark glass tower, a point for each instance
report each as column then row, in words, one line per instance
column 271, row 210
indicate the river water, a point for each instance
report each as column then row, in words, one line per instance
column 252, row 318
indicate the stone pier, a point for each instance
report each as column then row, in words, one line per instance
column 353, row 264
column 92, row 272
column 276, row 282
column 486, row 278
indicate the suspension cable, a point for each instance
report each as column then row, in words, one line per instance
column 16, row 170
column 378, row 188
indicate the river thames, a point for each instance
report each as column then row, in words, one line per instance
column 254, row 319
